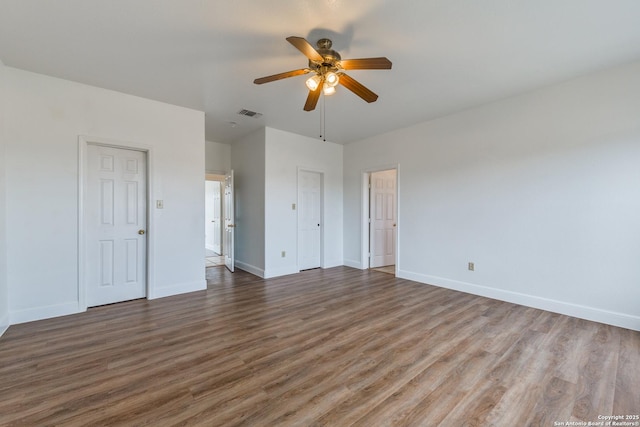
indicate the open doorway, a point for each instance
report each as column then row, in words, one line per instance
column 214, row 205
column 382, row 220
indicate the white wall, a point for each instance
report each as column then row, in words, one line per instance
column 541, row 191
column 286, row 153
column 4, row 289
column 217, row 157
column 45, row 118
column 248, row 164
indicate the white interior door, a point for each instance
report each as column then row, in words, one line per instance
column 309, row 219
column 229, row 222
column 115, row 225
column 382, row 214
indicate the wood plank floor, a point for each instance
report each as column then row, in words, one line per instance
column 336, row 347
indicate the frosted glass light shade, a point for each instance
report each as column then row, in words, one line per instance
column 331, row 78
column 328, row 90
column 313, row 82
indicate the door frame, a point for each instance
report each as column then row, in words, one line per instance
column 321, row 173
column 83, row 142
column 364, row 215
column 229, row 232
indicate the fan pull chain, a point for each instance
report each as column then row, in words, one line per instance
column 324, row 118
column 320, row 124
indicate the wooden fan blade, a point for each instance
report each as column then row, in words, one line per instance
column 381, row 63
column 312, row 99
column 280, row 76
column 305, row 47
column 357, row 88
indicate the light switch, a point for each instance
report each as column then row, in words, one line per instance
column 159, row 204
column 293, row 206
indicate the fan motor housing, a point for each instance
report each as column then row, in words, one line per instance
column 331, row 57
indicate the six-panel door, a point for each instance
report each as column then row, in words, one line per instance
column 115, row 225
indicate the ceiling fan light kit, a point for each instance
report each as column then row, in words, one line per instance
column 328, row 68
column 328, row 89
column 313, row 82
column 331, row 79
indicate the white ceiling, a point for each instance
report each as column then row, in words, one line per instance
column 448, row 55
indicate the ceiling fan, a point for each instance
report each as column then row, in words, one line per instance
column 328, row 71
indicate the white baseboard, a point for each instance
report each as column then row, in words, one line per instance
column 250, row 268
column 180, row 288
column 277, row 272
column 39, row 313
column 210, row 247
column 583, row 312
column 353, row 263
column 332, row 263
column 4, row 324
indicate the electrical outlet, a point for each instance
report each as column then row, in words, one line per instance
column 284, row 254
column 472, row 266
column 293, row 206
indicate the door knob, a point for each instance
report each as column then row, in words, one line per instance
column 141, row 232
column 231, row 225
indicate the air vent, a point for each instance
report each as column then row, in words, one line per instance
column 249, row 113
